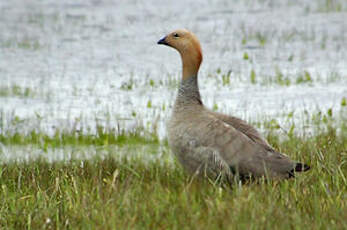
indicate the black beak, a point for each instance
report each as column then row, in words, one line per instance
column 162, row 41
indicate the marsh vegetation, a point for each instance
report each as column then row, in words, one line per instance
column 118, row 188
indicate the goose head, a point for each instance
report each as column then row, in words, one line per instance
column 188, row 45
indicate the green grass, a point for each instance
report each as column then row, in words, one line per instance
column 109, row 194
column 118, row 193
column 331, row 6
column 73, row 138
column 25, row 44
column 18, row 91
column 278, row 78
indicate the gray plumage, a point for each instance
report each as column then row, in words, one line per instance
column 213, row 144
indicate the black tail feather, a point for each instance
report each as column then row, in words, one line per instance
column 299, row 167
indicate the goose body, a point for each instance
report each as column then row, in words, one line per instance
column 214, row 144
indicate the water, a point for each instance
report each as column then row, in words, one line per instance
column 83, row 63
column 148, row 154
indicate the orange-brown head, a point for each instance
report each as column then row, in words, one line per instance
column 188, row 45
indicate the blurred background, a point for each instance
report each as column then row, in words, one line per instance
column 79, row 65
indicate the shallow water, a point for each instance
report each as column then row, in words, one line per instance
column 146, row 153
column 67, row 64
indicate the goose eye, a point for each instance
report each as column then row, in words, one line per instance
column 176, row 35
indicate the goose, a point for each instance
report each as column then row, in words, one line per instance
column 212, row 144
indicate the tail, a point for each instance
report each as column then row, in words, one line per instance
column 299, row 167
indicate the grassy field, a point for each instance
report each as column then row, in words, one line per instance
column 122, row 193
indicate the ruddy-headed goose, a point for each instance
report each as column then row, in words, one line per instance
column 214, row 144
